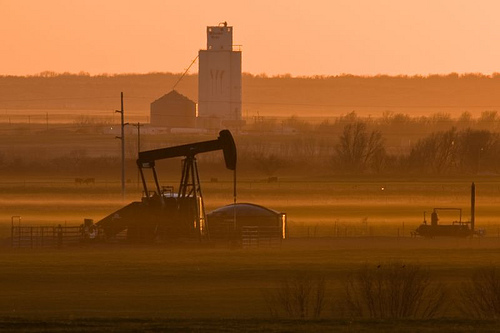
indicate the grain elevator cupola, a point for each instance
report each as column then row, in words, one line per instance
column 219, row 75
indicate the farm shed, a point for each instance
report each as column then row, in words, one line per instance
column 173, row 110
column 248, row 222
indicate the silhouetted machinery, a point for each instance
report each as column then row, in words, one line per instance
column 247, row 223
column 163, row 214
column 458, row 228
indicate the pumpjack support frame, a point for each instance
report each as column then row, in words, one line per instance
column 190, row 185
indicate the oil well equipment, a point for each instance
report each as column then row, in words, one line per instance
column 162, row 214
column 255, row 225
column 457, row 228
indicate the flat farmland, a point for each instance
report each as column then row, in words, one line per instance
column 199, row 288
column 326, row 208
column 334, row 226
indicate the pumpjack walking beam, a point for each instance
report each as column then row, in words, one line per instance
column 224, row 142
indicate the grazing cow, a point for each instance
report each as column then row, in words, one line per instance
column 89, row 181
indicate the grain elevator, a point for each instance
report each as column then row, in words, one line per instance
column 219, row 75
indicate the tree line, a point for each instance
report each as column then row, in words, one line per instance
column 451, row 152
column 437, row 146
column 261, row 94
column 392, row 145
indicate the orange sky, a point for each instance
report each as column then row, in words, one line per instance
column 278, row 36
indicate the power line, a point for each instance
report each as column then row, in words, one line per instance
column 182, row 76
column 257, row 103
column 52, row 99
column 68, row 98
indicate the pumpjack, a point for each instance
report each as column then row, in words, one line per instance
column 162, row 214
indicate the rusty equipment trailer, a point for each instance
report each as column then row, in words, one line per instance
column 458, row 228
column 162, row 214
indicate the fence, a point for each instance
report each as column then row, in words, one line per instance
column 256, row 236
column 339, row 229
column 44, row 236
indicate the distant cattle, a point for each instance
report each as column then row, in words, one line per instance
column 87, row 181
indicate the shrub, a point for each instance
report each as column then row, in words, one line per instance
column 392, row 290
column 480, row 297
column 300, row 296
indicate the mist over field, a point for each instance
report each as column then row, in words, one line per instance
column 356, row 163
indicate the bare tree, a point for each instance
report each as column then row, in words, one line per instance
column 475, row 150
column 488, row 120
column 393, row 290
column 269, row 164
column 358, row 149
column 480, row 297
column 298, row 296
column 436, row 153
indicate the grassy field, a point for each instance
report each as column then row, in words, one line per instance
column 245, row 325
column 315, row 208
column 335, row 226
column 198, row 288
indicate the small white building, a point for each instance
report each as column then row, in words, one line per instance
column 219, row 80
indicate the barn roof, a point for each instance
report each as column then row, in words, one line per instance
column 173, row 96
column 244, row 209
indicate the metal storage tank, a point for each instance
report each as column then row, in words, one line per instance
column 173, row 110
column 246, row 222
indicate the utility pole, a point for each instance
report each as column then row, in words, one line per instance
column 122, row 138
column 138, row 125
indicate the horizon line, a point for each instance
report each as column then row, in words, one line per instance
column 50, row 74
